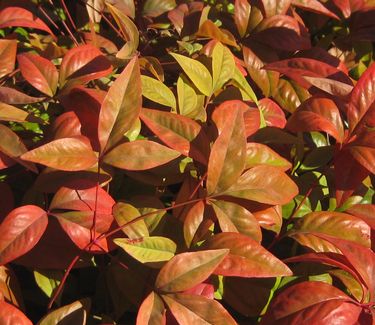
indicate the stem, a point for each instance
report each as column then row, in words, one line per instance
column 68, row 14
column 50, row 19
column 93, row 227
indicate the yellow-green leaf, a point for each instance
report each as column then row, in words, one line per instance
column 156, row 91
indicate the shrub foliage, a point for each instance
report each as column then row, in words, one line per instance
column 188, row 162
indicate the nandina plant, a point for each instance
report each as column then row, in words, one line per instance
column 189, row 162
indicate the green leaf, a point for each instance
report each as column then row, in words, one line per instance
column 188, row 101
column 242, row 83
column 140, row 155
column 158, row 92
column 75, row 313
column 69, row 154
column 48, row 280
column 124, row 213
column 197, row 72
column 223, row 66
column 194, row 309
column 148, row 249
column 186, row 270
column 120, row 107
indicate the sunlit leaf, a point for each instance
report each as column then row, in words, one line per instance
column 158, row 92
column 21, row 230
column 152, row 311
column 222, row 66
column 11, row 315
column 8, row 49
column 186, row 270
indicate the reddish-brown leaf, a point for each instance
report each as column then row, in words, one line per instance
column 8, row 49
column 186, row 270
column 69, row 154
column 312, row 303
column 152, row 311
column 228, row 153
column 264, row 184
column 193, row 309
column 363, row 150
column 364, row 211
column 120, row 107
column 13, row 96
column 314, row 6
column 140, row 155
column 10, row 315
column 20, row 231
column 192, row 221
column 39, row 72
column 20, row 17
column 178, row 132
column 361, row 111
column 272, row 7
column 246, row 257
column 317, row 114
column 242, row 10
column 82, row 64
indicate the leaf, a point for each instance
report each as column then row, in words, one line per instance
column 125, row 213
column 12, row 113
column 197, row 73
column 10, row 315
column 272, row 8
column 193, row 309
column 260, row 154
column 186, row 270
column 266, row 80
column 74, row 313
column 289, row 95
column 222, row 66
column 48, row 280
column 155, row 8
column 140, row 155
column 39, row 72
column 317, row 114
column 120, row 107
column 13, row 96
column 366, row 212
column 361, row 111
column 128, row 29
column 336, row 224
column 192, row 221
column 148, row 249
column 282, row 32
column 264, row 184
column 209, row 30
column 158, row 92
column 242, row 10
column 314, row 6
column 82, row 64
column 362, row 149
column 252, row 120
column 332, row 87
column 20, row 17
column 246, row 258
column 235, row 218
column 178, row 132
column 227, row 158
column 272, row 113
column 324, row 302
column 20, row 231
column 11, row 145
column 152, row 311
column 69, row 154
column 187, row 98
column 242, row 83
column 8, row 49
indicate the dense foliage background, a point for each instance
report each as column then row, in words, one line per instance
column 188, row 162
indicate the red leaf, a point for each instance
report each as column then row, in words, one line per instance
column 39, row 72
column 82, row 64
column 152, row 311
column 361, row 111
column 364, row 211
column 69, row 154
column 20, row 17
column 314, row 6
column 10, row 315
column 13, row 96
column 178, row 132
column 251, row 117
column 272, row 8
column 324, row 304
column 8, row 49
column 246, row 257
column 228, row 153
column 121, row 106
column 272, row 113
column 242, row 11
column 344, row 6
column 363, row 150
column 317, row 114
column 283, row 33
column 20, row 231
column 192, row 221
column 298, row 68
column 264, row 184
column 67, row 125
